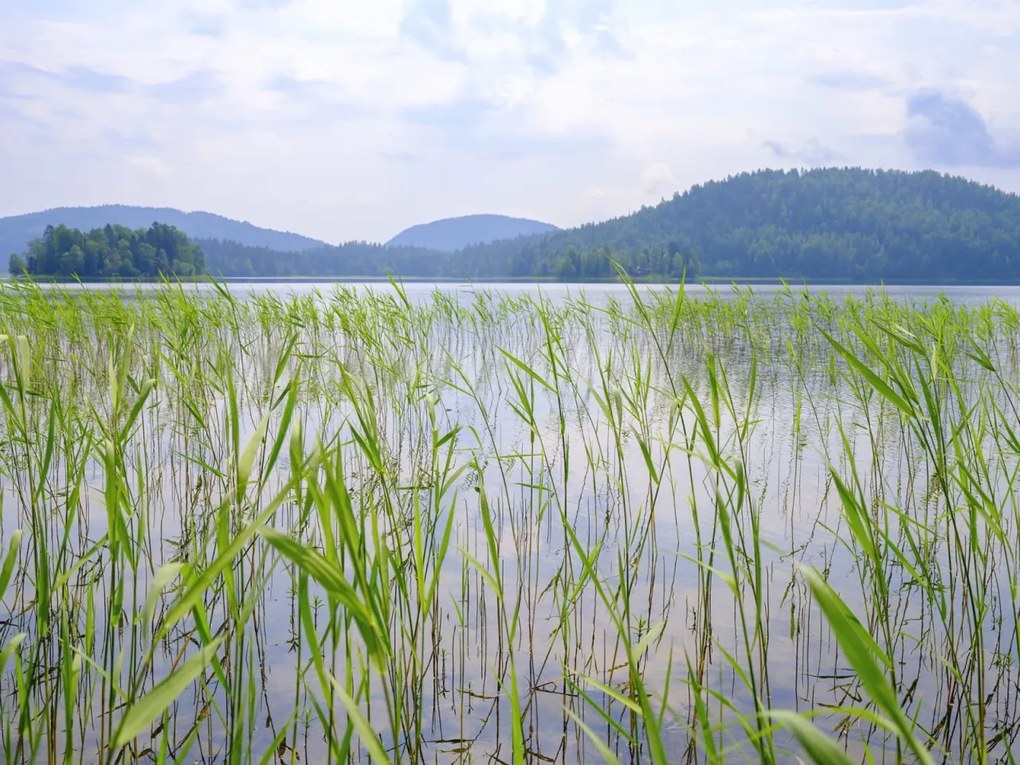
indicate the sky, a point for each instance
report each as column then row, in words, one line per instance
column 353, row 120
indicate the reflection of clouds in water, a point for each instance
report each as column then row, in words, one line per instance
column 597, row 487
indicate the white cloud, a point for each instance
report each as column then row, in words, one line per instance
column 150, row 165
column 332, row 119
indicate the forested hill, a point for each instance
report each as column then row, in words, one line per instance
column 854, row 224
column 17, row 231
column 832, row 224
column 452, row 234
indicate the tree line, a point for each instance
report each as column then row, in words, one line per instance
column 828, row 224
column 110, row 252
column 850, row 223
column 834, row 224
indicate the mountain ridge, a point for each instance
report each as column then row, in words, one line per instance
column 452, row 234
column 823, row 223
column 852, row 224
column 16, row 231
column 829, row 224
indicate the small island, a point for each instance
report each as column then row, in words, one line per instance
column 110, row 252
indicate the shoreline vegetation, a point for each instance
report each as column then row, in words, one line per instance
column 713, row 281
column 110, row 252
column 327, row 280
column 351, row 527
column 832, row 225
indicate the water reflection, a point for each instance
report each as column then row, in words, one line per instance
column 630, row 493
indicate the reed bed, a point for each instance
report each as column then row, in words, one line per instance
column 353, row 527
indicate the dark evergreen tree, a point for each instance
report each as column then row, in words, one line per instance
column 111, row 251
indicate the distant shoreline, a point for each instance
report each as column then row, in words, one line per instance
column 792, row 281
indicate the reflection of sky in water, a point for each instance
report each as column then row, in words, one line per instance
column 646, row 530
column 596, row 294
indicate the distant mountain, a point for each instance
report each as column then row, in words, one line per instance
column 846, row 224
column 831, row 224
column 17, row 230
column 849, row 224
column 452, row 234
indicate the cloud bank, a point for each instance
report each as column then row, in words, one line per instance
column 347, row 121
column 948, row 132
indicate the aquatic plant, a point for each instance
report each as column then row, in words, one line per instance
column 357, row 525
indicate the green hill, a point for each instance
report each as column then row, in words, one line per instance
column 853, row 224
column 830, row 224
column 452, row 234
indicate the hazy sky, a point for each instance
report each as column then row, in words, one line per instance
column 351, row 120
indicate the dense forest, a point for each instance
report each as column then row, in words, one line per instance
column 830, row 224
column 353, row 259
column 853, row 224
column 110, row 252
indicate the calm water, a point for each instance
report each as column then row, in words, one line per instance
column 596, row 293
column 598, row 453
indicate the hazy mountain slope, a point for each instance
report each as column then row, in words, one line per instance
column 844, row 224
column 831, row 224
column 17, row 230
column 451, row 234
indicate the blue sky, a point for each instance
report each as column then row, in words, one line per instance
column 349, row 120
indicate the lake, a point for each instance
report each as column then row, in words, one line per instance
column 312, row 522
column 595, row 292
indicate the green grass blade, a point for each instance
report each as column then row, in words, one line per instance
column 141, row 713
